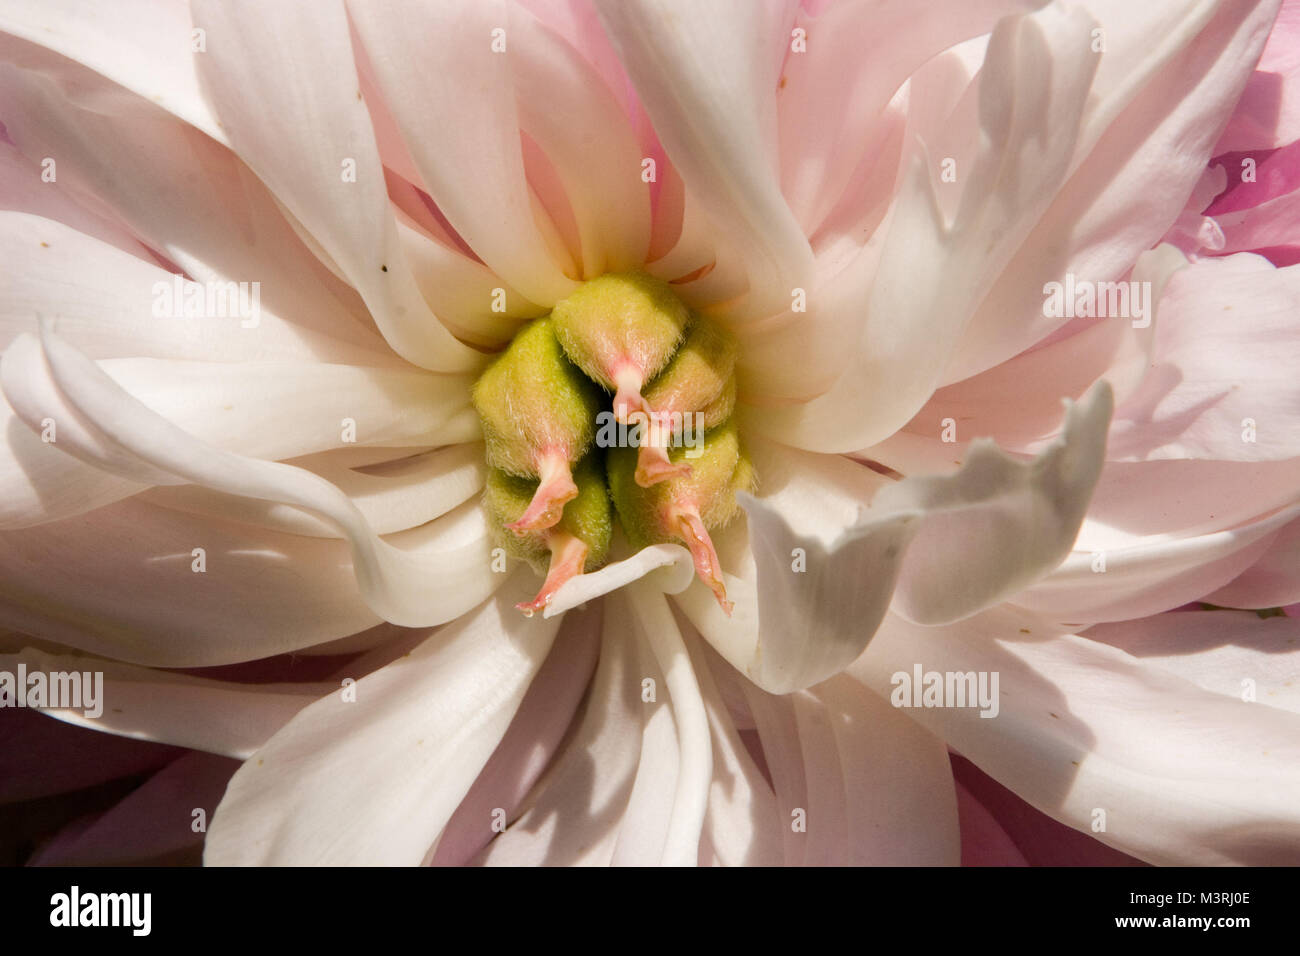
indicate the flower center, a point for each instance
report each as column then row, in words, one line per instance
column 663, row 462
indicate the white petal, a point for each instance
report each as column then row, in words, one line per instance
column 438, row 71
column 939, row 548
column 220, row 717
column 654, row 621
column 42, row 484
column 536, row 733
column 121, row 582
column 870, row 786
column 146, row 46
column 394, row 497
column 998, row 524
column 294, row 113
column 415, row 588
column 187, row 197
column 707, row 77
column 577, row 809
column 565, row 107
column 671, row 560
column 374, row 781
column 270, row 410
column 105, row 301
column 743, row 826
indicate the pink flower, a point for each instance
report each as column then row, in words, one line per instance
column 925, row 225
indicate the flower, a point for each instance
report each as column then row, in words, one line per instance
column 923, row 224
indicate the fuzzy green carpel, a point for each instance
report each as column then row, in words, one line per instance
column 588, row 517
column 699, row 376
column 674, row 463
column 532, row 400
column 620, row 320
column 646, row 513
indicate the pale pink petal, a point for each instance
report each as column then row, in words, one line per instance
column 373, row 781
column 55, row 202
column 438, row 72
column 932, row 273
column 294, row 113
column 535, row 733
column 1265, row 213
column 1147, row 577
column 1268, row 113
column 572, row 116
column 1018, row 402
column 1236, row 654
column 147, row 47
column 829, row 115
column 1222, row 384
column 1271, row 581
column 1148, row 501
column 1165, row 85
column 1181, row 775
column 708, row 79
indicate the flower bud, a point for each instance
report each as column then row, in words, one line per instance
column 686, row 507
column 621, row 329
column 579, row 542
column 538, row 414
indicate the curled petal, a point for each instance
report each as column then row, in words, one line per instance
column 938, row 548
